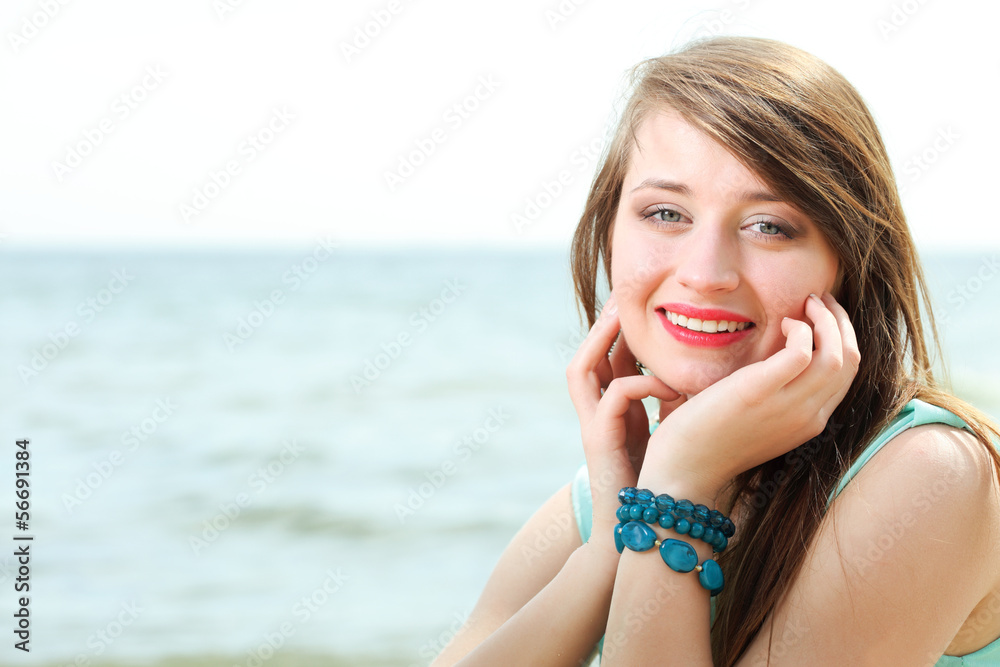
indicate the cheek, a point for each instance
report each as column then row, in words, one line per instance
column 621, row 250
column 788, row 299
column 631, row 288
column 636, row 273
column 637, row 265
column 624, row 276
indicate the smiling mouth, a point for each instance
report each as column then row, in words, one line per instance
column 706, row 326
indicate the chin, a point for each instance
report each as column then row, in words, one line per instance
column 689, row 379
column 690, row 371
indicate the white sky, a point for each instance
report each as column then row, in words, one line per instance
column 324, row 171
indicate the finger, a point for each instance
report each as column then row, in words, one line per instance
column 623, row 391
column 600, row 344
column 829, row 355
column 783, row 366
column 821, row 386
column 590, row 370
column 798, row 338
column 852, row 354
column 835, row 361
column 666, row 407
column 622, row 360
column 820, row 381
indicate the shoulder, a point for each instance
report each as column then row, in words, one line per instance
column 934, row 463
column 915, row 530
column 934, row 480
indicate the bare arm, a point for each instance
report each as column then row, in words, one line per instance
column 550, row 606
column 902, row 558
column 546, row 601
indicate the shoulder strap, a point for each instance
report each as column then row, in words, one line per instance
column 582, row 503
column 915, row 413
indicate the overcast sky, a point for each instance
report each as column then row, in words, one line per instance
column 228, row 122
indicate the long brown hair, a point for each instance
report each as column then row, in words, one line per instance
column 805, row 131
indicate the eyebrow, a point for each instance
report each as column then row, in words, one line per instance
column 682, row 189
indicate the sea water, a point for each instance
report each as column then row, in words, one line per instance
column 303, row 456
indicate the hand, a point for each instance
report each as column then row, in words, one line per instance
column 613, row 423
column 759, row 412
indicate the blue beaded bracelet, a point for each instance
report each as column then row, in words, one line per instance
column 677, row 554
column 711, row 526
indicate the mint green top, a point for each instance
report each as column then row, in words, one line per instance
column 916, row 413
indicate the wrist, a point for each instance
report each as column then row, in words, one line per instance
column 641, row 513
column 665, row 471
column 685, row 517
column 678, row 545
column 695, row 488
column 600, row 556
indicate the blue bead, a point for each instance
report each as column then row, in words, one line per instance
column 710, row 534
column 684, row 508
column 618, row 538
column 682, row 526
column 622, row 513
column 700, row 513
column 650, row 515
column 644, row 496
column 653, row 426
column 627, row 495
column 666, row 520
column 721, row 542
column 711, row 577
column 728, row 529
column 637, row 536
column 678, row 555
column 697, row 530
column 715, row 518
column 635, row 512
column 664, row 502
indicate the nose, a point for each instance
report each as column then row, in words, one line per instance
column 708, row 262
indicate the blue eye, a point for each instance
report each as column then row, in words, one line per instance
column 665, row 215
column 770, row 228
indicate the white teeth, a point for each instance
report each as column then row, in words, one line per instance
column 706, row 326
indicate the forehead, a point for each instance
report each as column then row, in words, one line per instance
column 669, row 147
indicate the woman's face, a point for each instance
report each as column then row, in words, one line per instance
column 699, row 242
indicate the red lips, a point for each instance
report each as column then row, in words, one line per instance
column 701, row 338
column 703, row 313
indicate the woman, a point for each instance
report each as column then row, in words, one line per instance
column 762, row 272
